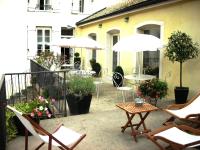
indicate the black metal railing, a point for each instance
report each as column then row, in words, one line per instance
column 22, row 87
column 2, row 113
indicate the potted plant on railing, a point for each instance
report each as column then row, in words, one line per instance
column 79, row 95
column 152, row 90
column 181, row 48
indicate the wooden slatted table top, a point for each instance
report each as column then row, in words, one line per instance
column 132, row 109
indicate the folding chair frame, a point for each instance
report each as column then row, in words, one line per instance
column 42, row 131
column 195, row 118
column 175, row 146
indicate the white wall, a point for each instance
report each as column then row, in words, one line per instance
column 13, row 36
column 18, row 28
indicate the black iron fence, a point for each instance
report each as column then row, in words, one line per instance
column 22, row 87
column 2, row 113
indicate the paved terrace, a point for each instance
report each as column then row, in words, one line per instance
column 102, row 126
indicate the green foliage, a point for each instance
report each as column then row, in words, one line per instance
column 181, row 48
column 10, row 126
column 52, row 91
column 97, row 68
column 46, row 59
column 76, row 54
column 80, row 85
column 120, row 70
column 36, row 108
column 154, row 88
column 92, row 62
column 26, row 107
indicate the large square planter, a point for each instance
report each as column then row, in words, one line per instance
column 79, row 104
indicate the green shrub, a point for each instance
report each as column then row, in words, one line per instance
column 80, row 85
column 120, row 70
column 10, row 126
column 154, row 88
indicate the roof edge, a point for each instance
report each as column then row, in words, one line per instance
column 129, row 9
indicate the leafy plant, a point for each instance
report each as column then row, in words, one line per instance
column 10, row 126
column 36, row 108
column 181, row 48
column 80, row 85
column 154, row 88
column 120, row 70
column 46, row 59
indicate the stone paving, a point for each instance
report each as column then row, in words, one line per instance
column 102, row 126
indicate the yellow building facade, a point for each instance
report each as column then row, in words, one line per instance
column 159, row 19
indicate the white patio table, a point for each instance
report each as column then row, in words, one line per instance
column 82, row 72
column 136, row 79
column 139, row 77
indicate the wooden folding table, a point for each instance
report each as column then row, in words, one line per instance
column 131, row 110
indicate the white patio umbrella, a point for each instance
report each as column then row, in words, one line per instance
column 138, row 43
column 79, row 42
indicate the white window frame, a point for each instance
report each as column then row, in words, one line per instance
column 43, row 42
column 47, row 5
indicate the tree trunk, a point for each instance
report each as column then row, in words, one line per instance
column 180, row 73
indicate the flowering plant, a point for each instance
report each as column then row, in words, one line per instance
column 154, row 88
column 42, row 107
column 37, row 108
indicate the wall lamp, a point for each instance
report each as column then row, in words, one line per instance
column 126, row 19
column 100, row 25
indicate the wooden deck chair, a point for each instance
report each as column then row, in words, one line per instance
column 177, row 137
column 189, row 111
column 64, row 138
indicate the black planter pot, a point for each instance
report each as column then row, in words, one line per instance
column 79, row 104
column 20, row 127
column 181, row 94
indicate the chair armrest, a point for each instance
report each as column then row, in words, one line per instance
column 189, row 129
column 175, row 106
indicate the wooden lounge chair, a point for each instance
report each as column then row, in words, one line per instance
column 177, row 137
column 64, row 138
column 188, row 112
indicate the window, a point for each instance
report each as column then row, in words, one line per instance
column 94, row 52
column 67, row 32
column 115, row 39
column 43, row 39
column 81, row 6
column 44, row 5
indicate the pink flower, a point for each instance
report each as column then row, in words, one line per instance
column 39, row 113
column 32, row 114
column 53, row 100
column 41, row 99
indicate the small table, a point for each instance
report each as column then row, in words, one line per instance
column 131, row 110
column 139, row 77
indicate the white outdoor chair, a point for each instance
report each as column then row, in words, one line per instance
column 189, row 111
column 177, row 137
column 63, row 138
column 122, row 89
column 98, row 83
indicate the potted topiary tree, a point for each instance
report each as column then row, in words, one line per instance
column 181, row 48
column 77, row 60
column 79, row 96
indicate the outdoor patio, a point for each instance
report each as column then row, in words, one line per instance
column 102, row 126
